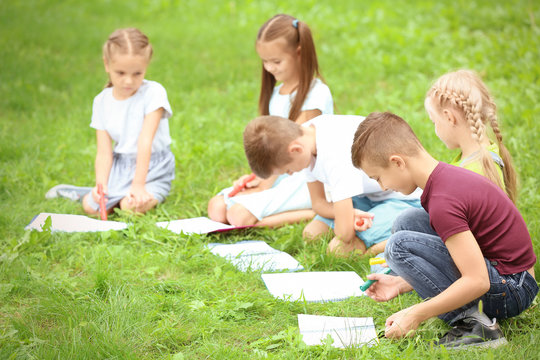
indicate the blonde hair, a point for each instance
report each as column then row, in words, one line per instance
column 266, row 142
column 297, row 34
column 127, row 41
column 464, row 91
column 381, row 135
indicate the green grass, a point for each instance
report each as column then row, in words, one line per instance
column 143, row 293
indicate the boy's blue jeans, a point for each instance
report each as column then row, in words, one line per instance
column 417, row 254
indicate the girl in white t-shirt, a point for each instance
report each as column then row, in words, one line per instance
column 133, row 112
column 288, row 55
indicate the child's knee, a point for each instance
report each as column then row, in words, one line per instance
column 217, row 209
column 314, row 230
column 238, row 215
column 86, row 206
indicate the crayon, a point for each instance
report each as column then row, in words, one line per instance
column 376, row 261
column 102, row 207
column 368, row 283
column 237, row 188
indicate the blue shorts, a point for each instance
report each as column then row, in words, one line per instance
column 385, row 212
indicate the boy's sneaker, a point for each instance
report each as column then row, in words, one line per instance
column 71, row 192
column 471, row 332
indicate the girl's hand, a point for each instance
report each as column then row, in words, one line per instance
column 95, row 194
column 252, row 184
column 362, row 220
column 403, row 323
column 138, row 196
column 386, row 287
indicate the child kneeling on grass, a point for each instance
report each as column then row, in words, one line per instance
column 321, row 148
column 474, row 246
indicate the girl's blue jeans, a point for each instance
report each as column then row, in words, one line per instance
column 417, row 254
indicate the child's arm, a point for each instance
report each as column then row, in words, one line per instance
column 344, row 220
column 103, row 162
column 472, row 284
column 144, row 152
column 319, row 204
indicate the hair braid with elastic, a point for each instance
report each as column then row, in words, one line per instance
column 464, row 90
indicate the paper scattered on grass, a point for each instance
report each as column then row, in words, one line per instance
column 314, row 286
column 256, row 256
column 198, row 225
column 345, row 331
column 73, row 223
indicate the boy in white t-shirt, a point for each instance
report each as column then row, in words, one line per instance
column 322, row 149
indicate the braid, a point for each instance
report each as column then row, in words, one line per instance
column 464, row 90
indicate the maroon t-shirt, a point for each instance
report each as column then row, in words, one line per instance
column 458, row 200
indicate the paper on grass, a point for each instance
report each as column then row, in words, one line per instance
column 346, row 331
column 73, row 223
column 314, row 286
column 255, row 255
column 198, row 225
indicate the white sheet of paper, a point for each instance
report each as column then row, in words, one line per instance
column 73, row 223
column 346, row 331
column 198, row 225
column 314, row 286
column 255, row 255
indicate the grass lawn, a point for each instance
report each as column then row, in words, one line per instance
column 143, row 293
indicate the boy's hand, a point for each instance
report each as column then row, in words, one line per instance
column 252, row 184
column 403, row 323
column 362, row 220
column 95, row 193
column 385, row 288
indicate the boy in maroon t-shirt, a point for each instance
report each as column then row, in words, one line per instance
column 471, row 245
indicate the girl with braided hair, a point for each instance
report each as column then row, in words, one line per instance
column 462, row 109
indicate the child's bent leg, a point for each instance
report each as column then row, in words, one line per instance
column 217, row 209
column 315, row 229
column 413, row 219
column 86, row 205
column 238, row 215
column 425, row 263
column 287, row 217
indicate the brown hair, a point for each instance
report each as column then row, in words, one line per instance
column 297, row 34
column 380, row 136
column 127, row 41
column 464, row 91
column 266, row 142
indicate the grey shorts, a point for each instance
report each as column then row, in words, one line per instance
column 158, row 180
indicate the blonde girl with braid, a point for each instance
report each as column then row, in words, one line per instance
column 464, row 114
column 132, row 114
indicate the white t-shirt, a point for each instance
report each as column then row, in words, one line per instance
column 123, row 119
column 333, row 165
column 319, row 97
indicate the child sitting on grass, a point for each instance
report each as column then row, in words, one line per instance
column 475, row 246
column 132, row 112
column 291, row 87
column 321, row 149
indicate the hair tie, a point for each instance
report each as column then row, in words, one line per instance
column 295, row 23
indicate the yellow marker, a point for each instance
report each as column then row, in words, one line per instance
column 376, row 260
